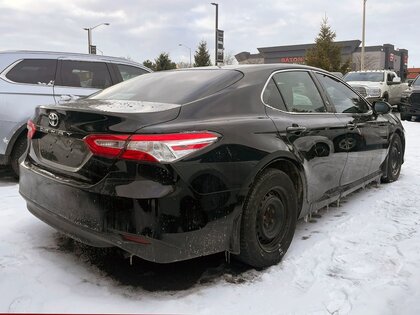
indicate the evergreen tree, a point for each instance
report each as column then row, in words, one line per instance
column 163, row 62
column 202, row 56
column 326, row 54
column 149, row 64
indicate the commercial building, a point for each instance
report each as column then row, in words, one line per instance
column 376, row 57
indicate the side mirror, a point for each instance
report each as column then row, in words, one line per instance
column 381, row 107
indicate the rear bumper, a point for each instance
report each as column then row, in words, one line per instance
column 101, row 220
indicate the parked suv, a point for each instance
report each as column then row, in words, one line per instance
column 410, row 101
column 377, row 85
column 32, row 78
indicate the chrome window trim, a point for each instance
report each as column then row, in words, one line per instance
column 293, row 113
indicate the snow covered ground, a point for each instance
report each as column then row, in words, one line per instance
column 360, row 258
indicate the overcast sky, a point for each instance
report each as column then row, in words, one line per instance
column 142, row 29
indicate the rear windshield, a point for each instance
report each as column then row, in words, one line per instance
column 175, row 87
column 365, row 76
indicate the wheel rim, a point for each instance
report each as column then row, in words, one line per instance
column 395, row 158
column 271, row 221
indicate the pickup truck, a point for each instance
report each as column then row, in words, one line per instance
column 377, row 85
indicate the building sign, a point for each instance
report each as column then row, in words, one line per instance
column 92, row 49
column 391, row 57
column 220, row 48
column 405, row 60
column 292, row 59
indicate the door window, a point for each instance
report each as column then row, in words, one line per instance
column 343, row 98
column 299, row 92
column 33, row 71
column 129, row 72
column 85, row 74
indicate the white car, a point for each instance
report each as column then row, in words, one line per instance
column 32, row 78
column 377, row 85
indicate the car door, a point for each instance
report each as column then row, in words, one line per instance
column 79, row 78
column 302, row 119
column 24, row 85
column 367, row 137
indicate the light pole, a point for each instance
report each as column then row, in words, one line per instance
column 215, row 32
column 190, row 52
column 362, row 54
column 89, row 30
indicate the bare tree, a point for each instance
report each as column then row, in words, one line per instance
column 229, row 59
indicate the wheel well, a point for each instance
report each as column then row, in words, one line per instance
column 21, row 132
column 400, row 133
column 292, row 170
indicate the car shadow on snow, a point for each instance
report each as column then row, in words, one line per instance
column 113, row 263
column 7, row 177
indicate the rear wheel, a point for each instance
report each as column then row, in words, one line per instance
column 268, row 220
column 18, row 149
column 394, row 160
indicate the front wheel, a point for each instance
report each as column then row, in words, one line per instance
column 394, row 160
column 268, row 219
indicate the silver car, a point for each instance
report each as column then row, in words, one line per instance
column 32, row 78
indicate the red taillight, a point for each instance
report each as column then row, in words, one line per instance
column 152, row 148
column 31, row 129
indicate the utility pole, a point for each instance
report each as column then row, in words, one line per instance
column 362, row 54
column 89, row 30
column 215, row 32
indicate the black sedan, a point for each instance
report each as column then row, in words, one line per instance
column 179, row 164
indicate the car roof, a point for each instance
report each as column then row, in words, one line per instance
column 68, row 55
column 254, row 68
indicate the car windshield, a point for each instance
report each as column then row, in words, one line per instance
column 175, row 87
column 416, row 82
column 365, row 76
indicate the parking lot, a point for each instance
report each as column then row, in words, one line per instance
column 361, row 256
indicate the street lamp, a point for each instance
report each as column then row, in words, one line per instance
column 215, row 34
column 89, row 30
column 189, row 50
column 362, row 54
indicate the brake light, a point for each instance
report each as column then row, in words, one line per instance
column 31, row 129
column 152, row 148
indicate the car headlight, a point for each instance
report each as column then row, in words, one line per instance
column 406, row 94
column 373, row 92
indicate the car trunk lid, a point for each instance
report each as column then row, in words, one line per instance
column 59, row 147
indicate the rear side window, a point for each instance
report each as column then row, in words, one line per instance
column 272, row 97
column 299, row 92
column 129, row 72
column 173, row 87
column 84, row 74
column 33, row 71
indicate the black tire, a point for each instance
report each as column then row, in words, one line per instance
column 268, row 219
column 394, row 160
column 18, row 149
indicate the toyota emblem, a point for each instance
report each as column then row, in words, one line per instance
column 53, row 119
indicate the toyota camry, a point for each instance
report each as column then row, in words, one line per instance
column 179, row 164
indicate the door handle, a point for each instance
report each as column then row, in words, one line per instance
column 296, row 129
column 67, row 98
